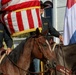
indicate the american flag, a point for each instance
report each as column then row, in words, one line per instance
column 22, row 16
column 3, row 2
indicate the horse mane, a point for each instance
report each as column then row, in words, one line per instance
column 16, row 52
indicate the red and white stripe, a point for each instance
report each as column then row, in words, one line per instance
column 10, row 5
column 3, row 2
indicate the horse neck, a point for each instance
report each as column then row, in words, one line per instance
column 25, row 58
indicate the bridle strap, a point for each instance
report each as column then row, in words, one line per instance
column 54, row 47
column 62, row 69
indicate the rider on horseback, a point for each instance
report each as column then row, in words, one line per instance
column 46, row 24
column 4, row 36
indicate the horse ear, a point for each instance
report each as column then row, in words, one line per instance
column 37, row 32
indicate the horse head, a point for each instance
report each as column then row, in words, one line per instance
column 41, row 47
column 65, row 59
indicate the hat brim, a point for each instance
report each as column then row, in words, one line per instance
column 43, row 6
column 49, row 3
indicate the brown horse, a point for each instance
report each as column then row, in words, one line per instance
column 65, row 63
column 18, row 61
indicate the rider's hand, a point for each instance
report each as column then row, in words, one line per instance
column 8, row 50
column 61, row 38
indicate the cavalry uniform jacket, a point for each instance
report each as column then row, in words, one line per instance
column 46, row 26
column 4, row 36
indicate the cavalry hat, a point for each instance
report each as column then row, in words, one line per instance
column 48, row 3
column 42, row 5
